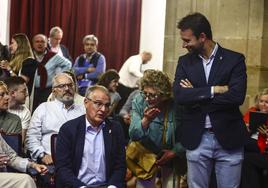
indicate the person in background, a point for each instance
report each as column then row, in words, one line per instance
column 124, row 114
column 90, row 65
column 130, row 73
column 152, row 123
column 49, row 117
column 22, row 61
column 4, row 56
column 256, row 151
column 78, row 99
column 18, row 93
column 109, row 79
column 210, row 82
column 49, row 64
column 9, row 123
column 90, row 150
column 54, row 43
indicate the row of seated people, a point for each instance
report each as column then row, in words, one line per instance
column 49, row 117
column 63, row 92
column 38, row 64
column 47, row 57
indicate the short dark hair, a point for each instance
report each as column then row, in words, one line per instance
column 106, row 78
column 198, row 23
column 13, row 82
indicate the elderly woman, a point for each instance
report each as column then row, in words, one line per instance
column 256, row 154
column 152, row 123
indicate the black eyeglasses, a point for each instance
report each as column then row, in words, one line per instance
column 151, row 96
column 99, row 104
column 63, row 86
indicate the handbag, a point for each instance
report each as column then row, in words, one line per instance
column 140, row 160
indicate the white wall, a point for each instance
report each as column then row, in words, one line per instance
column 4, row 21
column 153, row 30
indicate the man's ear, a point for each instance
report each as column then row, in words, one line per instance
column 12, row 93
column 202, row 37
column 53, row 90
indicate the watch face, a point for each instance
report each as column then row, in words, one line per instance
column 41, row 155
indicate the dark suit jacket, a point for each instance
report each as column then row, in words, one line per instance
column 229, row 69
column 65, row 51
column 69, row 152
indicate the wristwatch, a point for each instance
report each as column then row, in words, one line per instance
column 41, row 155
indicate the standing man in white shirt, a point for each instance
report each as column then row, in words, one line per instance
column 130, row 73
column 49, row 116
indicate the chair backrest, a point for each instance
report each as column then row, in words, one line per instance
column 14, row 141
column 53, row 141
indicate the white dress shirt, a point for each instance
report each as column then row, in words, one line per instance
column 130, row 72
column 47, row 120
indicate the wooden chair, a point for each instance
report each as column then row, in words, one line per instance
column 51, row 168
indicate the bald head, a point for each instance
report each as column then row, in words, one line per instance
column 146, row 56
column 39, row 43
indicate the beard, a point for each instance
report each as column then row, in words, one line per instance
column 196, row 50
column 68, row 100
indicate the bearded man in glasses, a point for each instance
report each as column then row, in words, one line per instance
column 90, row 149
column 49, row 117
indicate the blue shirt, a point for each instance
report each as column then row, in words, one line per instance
column 92, row 170
column 207, row 64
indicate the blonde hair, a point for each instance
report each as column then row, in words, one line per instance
column 157, row 80
column 23, row 51
column 259, row 95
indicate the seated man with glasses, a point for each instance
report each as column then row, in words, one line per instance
column 90, row 150
column 49, row 117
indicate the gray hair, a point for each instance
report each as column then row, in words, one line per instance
column 91, row 38
column 55, row 78
column 55, row 30
column 93, row 88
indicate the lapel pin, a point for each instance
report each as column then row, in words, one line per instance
column 221, row 58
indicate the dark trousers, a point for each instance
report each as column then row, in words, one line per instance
column 255, row 168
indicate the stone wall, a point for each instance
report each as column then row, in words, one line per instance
column 240, row 25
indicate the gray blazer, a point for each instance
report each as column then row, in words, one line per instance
column 15, row 162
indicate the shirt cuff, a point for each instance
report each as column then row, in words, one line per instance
column 111, row 186
column 212, row 91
